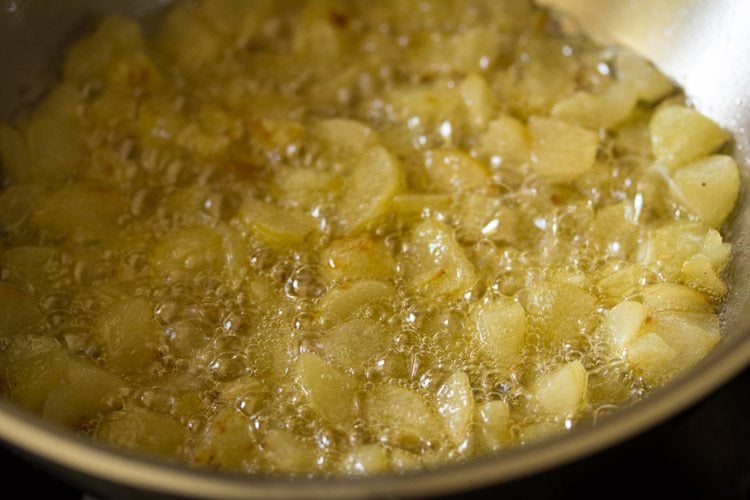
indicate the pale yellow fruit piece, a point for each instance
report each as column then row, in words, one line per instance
column 228, row 441
column 500, row 328
column 619, row 281
column 699, row 273
column 462, row 52
column 304, row 185
column 359, row 257
column 374, row 180
column 402, row 460
column 680, row 135
column 186, row 252
column 289, row 453
column 31, row 366
column 455, row 403
column 478, row 98
column 238, row 21
column 614, row 230
column 561, row 311
column 480, row 216
column 547, row 74
column 328, row 391
column 624, row 322
column 18, row 311
column 246, row 393
column 651, row 358
column 30, row 266
column 142, row 430
column 506, row 141
column 344, row 135
column 561, row 392
column 80, row 212
column 129, row 335
column 428, row 105
column 402, row 418
column 90, row 55
column 708, row 188
column 82, row 393
column 669, row 246
column 493, row 426
column 451, row 170
column 349, row 300
column 365, row 459
column 649, row 83
column 275, row 226
column 356, row 343
column 420, row 205
column 435, row 262
column 561, row 151
column 691, row 334
column 14, row 155
column 715, row 250
column 54, row 136
column 182, row 27
column 595, row 111
column 663, row 297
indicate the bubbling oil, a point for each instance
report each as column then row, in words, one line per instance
column 175, row 146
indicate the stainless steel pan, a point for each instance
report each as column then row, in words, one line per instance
column 704, row 46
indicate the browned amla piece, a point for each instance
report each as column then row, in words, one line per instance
column 351, row 237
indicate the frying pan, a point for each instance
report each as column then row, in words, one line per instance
column 703, row 46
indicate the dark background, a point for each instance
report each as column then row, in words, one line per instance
column 702, row 453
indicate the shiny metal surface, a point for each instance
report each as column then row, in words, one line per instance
column 704, row 46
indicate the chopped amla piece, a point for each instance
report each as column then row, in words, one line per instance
column 646, row 81
column 365, row 459
column 129, row 335
column 708, row 188
column 501, row 330
column 435, row 262
column 624, row 322
column 455, row 403
column 345, row 136
column 359, row 257
column 673, row 297
column 80, row 212
column 276, row 226
column 506, row 141
column 369, row 188
column 142, row 430
column 82, row 394
column 478, row 98
column 288, row 453
column 451, row 170
column 560, row 311
column 561, row 151
column 186, row 252
column 355, row 343
column 561, row 392
column 680, row 135
column 350, row 300
column 493, row 426
column 32, row 366
column 402, row 418
column 328, row 391
column 595, row 111
column 227, row 441
column 651, row 357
